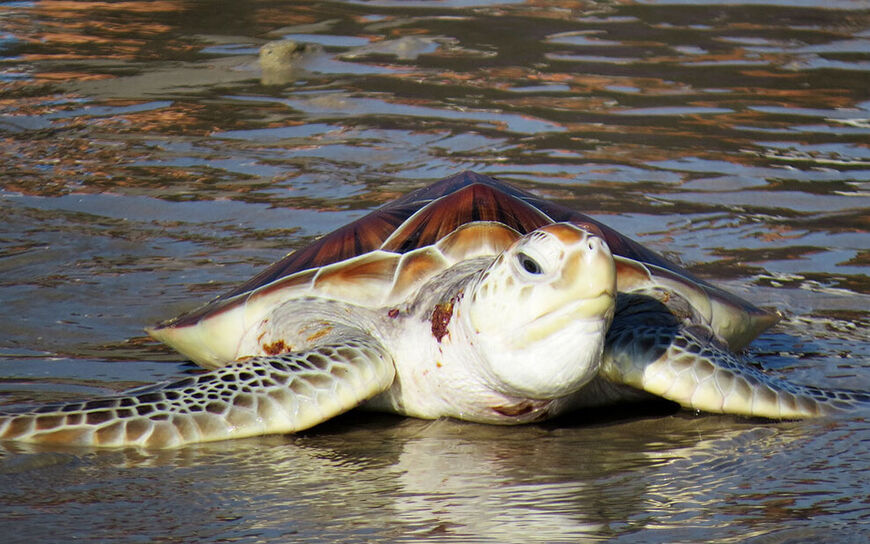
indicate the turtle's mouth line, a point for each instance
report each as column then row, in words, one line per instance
column 584, row 308
column 591, row 310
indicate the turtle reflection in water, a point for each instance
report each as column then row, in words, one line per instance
column 468, row 299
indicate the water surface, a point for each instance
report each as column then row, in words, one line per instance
column 148, row 163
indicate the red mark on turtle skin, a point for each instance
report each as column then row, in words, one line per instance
column 522, row 408
column 275, row 348
column 393, row 313
column 440, row 319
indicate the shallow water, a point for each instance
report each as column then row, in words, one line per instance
column 148, row 163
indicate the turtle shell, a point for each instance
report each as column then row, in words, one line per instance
column 378, row 258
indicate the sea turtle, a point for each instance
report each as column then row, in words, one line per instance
column 468, row 299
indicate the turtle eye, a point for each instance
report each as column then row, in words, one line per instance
column 529, row 265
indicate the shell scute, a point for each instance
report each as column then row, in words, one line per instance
column 415, row 268
column 477, row 239
column 634, row 276
column 362, row 280
column 300, row 281
column 473, row 203
column 361, row 236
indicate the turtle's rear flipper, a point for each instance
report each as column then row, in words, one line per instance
column 255, row 396
column 688, row 366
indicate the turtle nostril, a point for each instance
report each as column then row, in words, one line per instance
column 597, row 244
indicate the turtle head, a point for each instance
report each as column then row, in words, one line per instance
column 540, row 311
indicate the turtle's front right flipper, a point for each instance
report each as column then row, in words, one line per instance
column 255, row 396
column 688, row 366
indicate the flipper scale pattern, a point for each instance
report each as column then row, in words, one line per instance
column 255, row 396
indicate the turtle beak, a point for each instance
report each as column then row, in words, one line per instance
column 589, row 276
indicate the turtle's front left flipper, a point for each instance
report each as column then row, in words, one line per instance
column 688, row 366
column 255, row 396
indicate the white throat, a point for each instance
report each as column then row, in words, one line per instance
column 526, row 363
